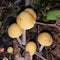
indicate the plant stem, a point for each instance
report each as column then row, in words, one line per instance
column 27, row 2
column 40, row 56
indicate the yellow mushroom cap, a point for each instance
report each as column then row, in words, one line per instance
column 25, row 20
column 10, row 50
column 32, row 12
column 14, row 31
column 45, row 39
column 31, row 48
column 5, row 58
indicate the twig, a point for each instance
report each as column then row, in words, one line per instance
column 27, row 2
column 22, row 47
column 43, row 13
column 57, row 24
column 40, row 56
column 16, row 2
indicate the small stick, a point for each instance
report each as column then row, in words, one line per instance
column 52, row 25
column 17, row 1
column 40, row 56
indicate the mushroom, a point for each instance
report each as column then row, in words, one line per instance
column 14, row 31
column 1, row 49
column 10, row 50
column 25, row 21
column 31, row 48
column 32, row 12
column 45, row 39
column 5, row 58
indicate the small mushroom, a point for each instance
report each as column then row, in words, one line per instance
column 31, row 48
column 1, row 49
column 45, row 39
column 25, row 21
column 14, row 31
column 10, row 50
column 32, row 12
column 5, row 58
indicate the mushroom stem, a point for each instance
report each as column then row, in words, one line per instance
column 40, row 49
column 24, row 37
column 31, row 57
column 19, row 41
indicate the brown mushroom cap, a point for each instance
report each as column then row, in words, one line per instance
column 14, row 31
column 31, row 48
column 25, row 20
column 32, row 12
column 45, row 39
column 10, row 50
column 1, row 49
column 5, row 58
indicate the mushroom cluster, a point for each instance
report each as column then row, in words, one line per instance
column 25, row 21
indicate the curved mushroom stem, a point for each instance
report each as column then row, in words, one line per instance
column 31, row 57
column 40, row 49
column 19, row 41
column 24, row 37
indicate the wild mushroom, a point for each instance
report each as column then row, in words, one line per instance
column 45, row 39
column 14, row 31
column 10, row 51
column 5, row 58
column 1, row 49
column 32, row 12
column 25, row 21
column 31, row 48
